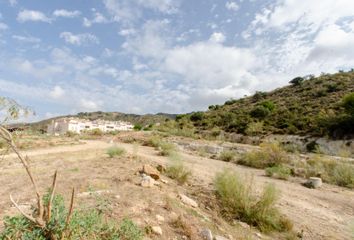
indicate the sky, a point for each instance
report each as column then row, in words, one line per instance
column 173, row 56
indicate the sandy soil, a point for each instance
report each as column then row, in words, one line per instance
column 326, row 213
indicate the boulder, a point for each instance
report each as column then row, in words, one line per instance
column 220, row 238
column 151, row 171
column 206, row 234
column 147, row 181
column 188, row 201
column 157, row 230
column 313, row 182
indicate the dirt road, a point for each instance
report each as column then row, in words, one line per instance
column 326, row 213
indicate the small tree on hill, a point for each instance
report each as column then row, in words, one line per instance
column 348, row 103
column 297, row 81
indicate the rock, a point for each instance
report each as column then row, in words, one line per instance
column 220, row 238
column 258, row 235
column 160, row 218
column 157, row 230
column 244, row 225
column 188, row 201
column 147, row 181
column 313, row 182
column 161, row 168
column 164, row 181
column 151, row 171
column 206, row 234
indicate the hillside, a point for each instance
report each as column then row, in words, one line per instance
column 142, row 120
column 308, row 106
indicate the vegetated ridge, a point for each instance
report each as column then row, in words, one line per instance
column 142, row 120
column 308, row 106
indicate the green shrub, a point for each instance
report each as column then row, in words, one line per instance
column 348, row 103
column 84, row 224
column 137, row 127
column 227, row 156
column 177, row 170
column 71, row 134
column 343, row 175
column 270, row 155
column 331, row 171
column 237, row 200
column 254, row 128
column 260, row 112
column 280, row 172
column 115, row 151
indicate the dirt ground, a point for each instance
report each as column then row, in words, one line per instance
column 326, row 213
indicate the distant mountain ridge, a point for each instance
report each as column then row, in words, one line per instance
column 142, row 120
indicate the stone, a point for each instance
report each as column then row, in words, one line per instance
column 188, row 201
column 164, row 181
column 206, row 234
column 151, row 171
column 157, row 230
column 244, row 225
column 220, row 238
column 313, row 182
column 258, row 235
column 160, row 218
column 147, row 181
column 161, row 168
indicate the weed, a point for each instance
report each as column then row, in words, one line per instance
column 84, row 224
column 280, row 172
column 115, row 152
column 227, row 156
column 270, row 155
column 238, row 201
column 176, row 170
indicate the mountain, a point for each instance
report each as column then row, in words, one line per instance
column 308, row 106
column 142, row 120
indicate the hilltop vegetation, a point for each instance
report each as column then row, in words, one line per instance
column 317, row 106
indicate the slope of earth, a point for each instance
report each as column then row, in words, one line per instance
column 325, row 213
column 308, row 106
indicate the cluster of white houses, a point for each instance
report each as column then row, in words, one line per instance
column 64, row 125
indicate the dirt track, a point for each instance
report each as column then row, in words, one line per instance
column 326, row 213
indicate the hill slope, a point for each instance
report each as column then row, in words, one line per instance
column 142, row 120
column 308, row 106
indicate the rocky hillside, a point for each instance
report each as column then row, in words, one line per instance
column 308, row 106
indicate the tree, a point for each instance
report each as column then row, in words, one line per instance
column 297, row 81
column 348, row 103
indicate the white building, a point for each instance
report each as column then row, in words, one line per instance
column 63, row 125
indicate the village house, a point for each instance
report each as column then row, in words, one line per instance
column 64, row 125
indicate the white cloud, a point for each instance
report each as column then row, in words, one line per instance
column 28, row 39
column 90, row 105
column 38, row 69
column 79, row 39
column 13, row 2
column 97, row 18
column 217, row 37
column 232, row 6
column 30, row 15
column 57, row 92
column 131, row 10
column 66, row 13
column 3, row 26
column 127, row 32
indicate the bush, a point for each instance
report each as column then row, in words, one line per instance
column 260, row 112
column 227, row 156
column 297, row 81
column 280, row 172
column 167, row 149
column 348, row 103
column 84, row 224
column 270, row 155
column 176, row 170
column 237, row 200
column 343, row 175
column 254, row 128
column 137, row 127
column 95, row 132
column 71, row 134
column 269, row 105
column 115, row 151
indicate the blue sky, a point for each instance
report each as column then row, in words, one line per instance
column 149, row 56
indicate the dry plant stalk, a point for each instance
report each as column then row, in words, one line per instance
column 44, row 212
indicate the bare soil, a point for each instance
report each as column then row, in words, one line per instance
column 326, row 213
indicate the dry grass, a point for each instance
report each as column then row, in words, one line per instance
column 238, row 200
